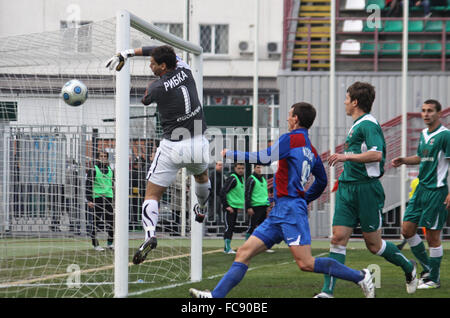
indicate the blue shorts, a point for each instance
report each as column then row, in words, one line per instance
column 287, row 221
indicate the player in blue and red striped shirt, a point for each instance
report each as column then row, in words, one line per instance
column 288, row 220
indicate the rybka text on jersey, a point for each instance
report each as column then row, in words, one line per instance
column 175, row 80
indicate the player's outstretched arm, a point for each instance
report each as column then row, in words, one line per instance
column 279, row 150
column 118, row 60
column 412, row 160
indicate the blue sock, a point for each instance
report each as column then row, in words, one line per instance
column 330, row 266
column 232, row 278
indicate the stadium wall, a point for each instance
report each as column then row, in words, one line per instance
column 314, row 88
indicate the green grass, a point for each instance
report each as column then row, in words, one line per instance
column 39, row 268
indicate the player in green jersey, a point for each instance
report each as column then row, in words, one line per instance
column 360, row 195
column 429, row 205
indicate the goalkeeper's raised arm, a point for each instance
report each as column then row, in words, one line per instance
column 118, row 61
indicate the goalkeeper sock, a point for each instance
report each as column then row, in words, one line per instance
column 392, row 254
column 436, row 254
column 149, row 217
column 233, row 277
column 418, row 249
column 202, row 191
column 338, row 253
column 332, row 267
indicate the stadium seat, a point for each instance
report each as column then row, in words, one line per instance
column 415, row 26
column 447, row 49
column 391, row 48
column 355, row 5
column 414, row 48
column 350, row 47
column 432, row 48
column 434, row 26
column 371, row 28
column 379, row 3
column 393, row 26
column 447, row 27
column 352, row 26
column 367, row 48
column 438, row 5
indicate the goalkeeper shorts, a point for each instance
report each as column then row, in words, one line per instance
column 171, row 156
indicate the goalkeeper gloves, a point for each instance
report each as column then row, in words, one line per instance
column 118, row 60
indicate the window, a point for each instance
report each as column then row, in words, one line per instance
column 77, row 36
column 214, row 38
column 8, row 111
column 173, row 28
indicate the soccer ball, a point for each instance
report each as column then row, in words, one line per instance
column 74, row 92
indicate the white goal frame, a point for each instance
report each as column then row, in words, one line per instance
column 126, row 20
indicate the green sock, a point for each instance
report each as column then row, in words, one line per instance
column 337, row 253
column 392, row 254
column 227, row 245
column 436, row 254
column 420, row 253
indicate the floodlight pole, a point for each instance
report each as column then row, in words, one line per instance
column 332, row 102
column 404, row 107
column 255, row 81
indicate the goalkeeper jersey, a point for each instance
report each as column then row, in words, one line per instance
column 178, row 105
column 365, row 135
column 434, row 150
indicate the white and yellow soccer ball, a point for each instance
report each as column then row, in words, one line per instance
column 74, row 92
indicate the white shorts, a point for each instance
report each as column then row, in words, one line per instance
column 171, row 156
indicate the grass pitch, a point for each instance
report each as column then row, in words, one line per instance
column 277, row 276
column 42, row 270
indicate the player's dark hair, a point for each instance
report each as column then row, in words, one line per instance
column 306, row 113
column 165, row 54
column 364, row 93
column 434, row 102
column 238, row 164
column 102, row 152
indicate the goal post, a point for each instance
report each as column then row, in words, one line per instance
column 55, row 240
column 125, row 21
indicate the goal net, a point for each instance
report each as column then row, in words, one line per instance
column 48, row 151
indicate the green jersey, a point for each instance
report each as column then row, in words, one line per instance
column 434, row 150
column 103, row 183
column 260, row 194
column 236, row 196
column 365, row 135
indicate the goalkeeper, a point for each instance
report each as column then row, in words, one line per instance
column 183, row 143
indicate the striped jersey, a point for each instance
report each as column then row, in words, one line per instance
column 297, row 160
column 434, row 152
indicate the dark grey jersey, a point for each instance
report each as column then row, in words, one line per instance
column 175, row 95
